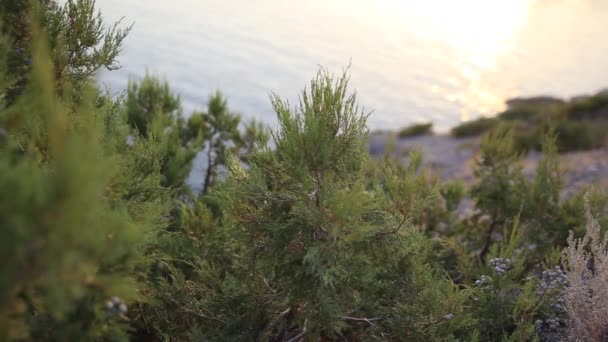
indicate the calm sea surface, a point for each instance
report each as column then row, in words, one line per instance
column 412, row 61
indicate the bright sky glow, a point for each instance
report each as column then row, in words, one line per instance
column 478, row 31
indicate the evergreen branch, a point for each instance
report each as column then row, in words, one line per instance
column 430, row 324
column 396, row 229
column 435, row 322
column 488, row 238
column 198, row 314
column 141, row 312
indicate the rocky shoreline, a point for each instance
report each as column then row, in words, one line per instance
column 454, row 158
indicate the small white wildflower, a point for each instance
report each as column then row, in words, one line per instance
column 116, row 306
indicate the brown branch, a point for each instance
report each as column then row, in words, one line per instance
column 209, row 162
column 276, row 319
column 201, row 315
column 369, row 321
column 488, row 239
column 429, row 324
column 143, row 316
column 396, row 229
column 300, row 335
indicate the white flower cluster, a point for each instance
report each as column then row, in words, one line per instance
column 116, row 306
column 550, row 324
column 552, row 279
column 483, row 281
column 552, row 329
column 500, row 265
column 559, row 304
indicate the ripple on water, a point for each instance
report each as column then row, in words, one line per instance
column 402, row 68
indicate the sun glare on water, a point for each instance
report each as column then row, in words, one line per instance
column 478, row 32
column 482, row 29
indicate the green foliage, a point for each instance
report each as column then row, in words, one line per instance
column 154, row 114
column 255, row 136
column 573, row 208
column 474, row 128
column 79, row 210
column 453, row 193
column 222, row 136
column 82, row 42
column 521, row 220
column 4, row 67
column 304, row 240
column 79, row 42
column 573, row 135
column 148, row 100
column 499, row 179
column 416, row 130
column 323, row 241
column 503, row 192
column 304, row 244
column 520, row 113
column 570, row 135
column 592, row 107
column 579, row 124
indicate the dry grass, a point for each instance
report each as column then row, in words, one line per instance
column 586, row 297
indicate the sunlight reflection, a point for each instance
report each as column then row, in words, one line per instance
column 479, row 32
column 481, row 29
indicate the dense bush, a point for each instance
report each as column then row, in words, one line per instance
column 327, row 251
column 416, row 130
column 592, row 107
column 520, row 113
column 154, row 114
column 474, row 128
column 79, row 43
column 579, row 124
column 586, row 135
column 79, row 206
column 570, row 135
column 306, row 240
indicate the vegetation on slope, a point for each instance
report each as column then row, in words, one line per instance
column 416, row 130
column 308, row 240
column 580, row 124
